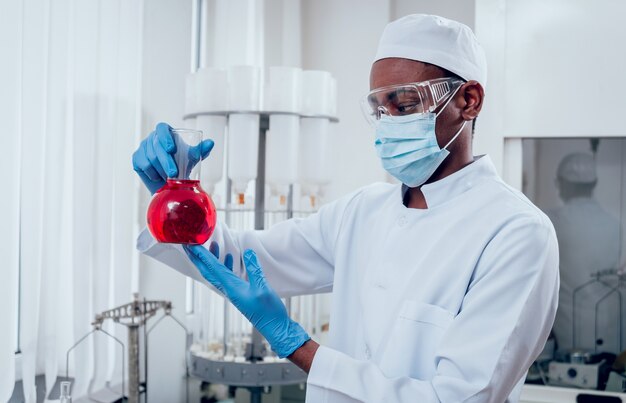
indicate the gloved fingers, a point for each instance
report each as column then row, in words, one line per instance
column 151, row 185
column 200, row 151
column 165, row 138
column 165, row 159
column 142, row 164
column 214, row 248
column 204, row 270
column 214, row 268
column 228, row 261
column 154, row 160
column 255, row 273
column 205, row 147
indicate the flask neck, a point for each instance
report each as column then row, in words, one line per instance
column 182, row 183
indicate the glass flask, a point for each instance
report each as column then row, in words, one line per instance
column 181, row 212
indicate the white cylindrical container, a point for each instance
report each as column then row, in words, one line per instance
column 244, row 88
column 190, row 98
column 243, row 145
column 316, row 92
column 285, row 89
column 332, row 103
column 212, row 96
column 281, row 161
column 313, row 169
column 212, row 90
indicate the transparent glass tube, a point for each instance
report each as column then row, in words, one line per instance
column 65, row 392
column 188, row 153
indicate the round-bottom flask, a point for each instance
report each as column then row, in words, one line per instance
column 181, row 212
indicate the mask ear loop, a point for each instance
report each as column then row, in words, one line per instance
column 456, row 135
column 444, row 107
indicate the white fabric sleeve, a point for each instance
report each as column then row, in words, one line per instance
column 297, row 255
column 505, row 319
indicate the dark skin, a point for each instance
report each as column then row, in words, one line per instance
column 465, row 106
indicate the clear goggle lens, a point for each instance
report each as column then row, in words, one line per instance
column 407, row 99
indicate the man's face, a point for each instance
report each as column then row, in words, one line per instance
column 394, row 71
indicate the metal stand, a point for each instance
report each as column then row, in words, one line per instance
column 601, row 277
column 134, row 316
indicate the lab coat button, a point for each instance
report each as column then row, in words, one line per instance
column 368, row 354
column 402, row 220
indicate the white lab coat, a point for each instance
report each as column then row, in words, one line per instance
column 448, row 304
column 589, row 240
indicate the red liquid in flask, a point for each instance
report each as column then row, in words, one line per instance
column 181, row 212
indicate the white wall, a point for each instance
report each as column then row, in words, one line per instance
column 341, row 37
column 552, row 70
column 563, row 65
column 459, row 10
column 555, row 67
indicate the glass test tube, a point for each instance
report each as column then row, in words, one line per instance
column 65, row 392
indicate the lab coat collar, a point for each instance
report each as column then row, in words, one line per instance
column 451, row 186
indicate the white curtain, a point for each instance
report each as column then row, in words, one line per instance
column 10, row 77
column 70, row 111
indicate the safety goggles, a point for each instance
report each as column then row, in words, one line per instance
column 407, row 99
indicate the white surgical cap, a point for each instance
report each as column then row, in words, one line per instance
column 578, row 168
column 435, row 40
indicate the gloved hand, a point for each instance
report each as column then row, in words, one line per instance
column 254, row 299
column 153, row 160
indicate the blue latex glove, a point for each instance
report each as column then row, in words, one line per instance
column 153, row 160
column 254, row 299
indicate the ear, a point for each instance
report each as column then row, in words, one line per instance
column 473, row 95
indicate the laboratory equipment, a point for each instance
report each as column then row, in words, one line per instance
column 581, row 375
column 333, row 97
column 317, row 93
column 589, row 368
column 261, row 147
column 313, row 171
column 134, row 316
column 212, row 96
column 213, row 167
column 243, row 143
column 226, row 349
column 190, row 98
column 244, row 89
column 284, row 104
column 244, row 99
column 616, row 382
column 181, row 212
column 613, row 281
column 65, row 392
column 282, row 157
column 285, row 89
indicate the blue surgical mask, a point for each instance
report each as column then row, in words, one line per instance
column 407, row 146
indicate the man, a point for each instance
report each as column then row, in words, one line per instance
column 589, row 241
column 444, row 288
